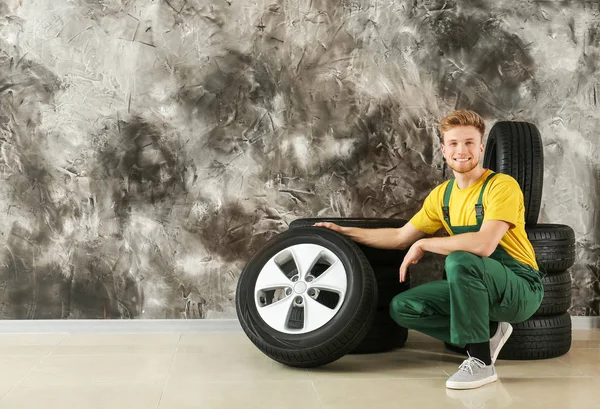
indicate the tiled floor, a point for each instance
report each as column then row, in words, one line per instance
column 224, row 370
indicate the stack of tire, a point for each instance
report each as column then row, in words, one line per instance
column 515, row 148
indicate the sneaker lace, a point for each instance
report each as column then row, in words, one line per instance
column 470, row 363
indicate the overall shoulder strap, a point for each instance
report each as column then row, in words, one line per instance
column 445, row 207
column 479, row 206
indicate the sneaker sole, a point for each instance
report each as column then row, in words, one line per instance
column 501, row 343
column 473, row 384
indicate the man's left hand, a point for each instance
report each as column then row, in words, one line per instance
column 414, row 254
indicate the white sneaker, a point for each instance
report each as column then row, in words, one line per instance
column 472, row 373
column 499, row 339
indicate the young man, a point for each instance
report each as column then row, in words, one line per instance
column 491, row 269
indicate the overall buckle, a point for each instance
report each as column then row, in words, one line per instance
column 479, row 210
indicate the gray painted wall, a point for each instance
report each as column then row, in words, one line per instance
column 150, row 147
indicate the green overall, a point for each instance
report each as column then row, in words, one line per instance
column 477, row 290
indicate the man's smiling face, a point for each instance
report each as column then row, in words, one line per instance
column 462, row 147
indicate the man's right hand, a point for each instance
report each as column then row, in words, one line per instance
column 331, row 226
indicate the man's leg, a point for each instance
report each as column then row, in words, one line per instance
column 478, row 292
column 425, row 308
column 482, row 289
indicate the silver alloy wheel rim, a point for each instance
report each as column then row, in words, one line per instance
column 272, row 278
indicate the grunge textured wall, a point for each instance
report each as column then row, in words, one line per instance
column 148, row 148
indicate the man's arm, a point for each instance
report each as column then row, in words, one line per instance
column 482, row 243
column 426, row 221
column 386, row 238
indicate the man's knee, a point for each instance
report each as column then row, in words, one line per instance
column 400, row 308
column 405, row 306
column 460, row 264
column 398, row 303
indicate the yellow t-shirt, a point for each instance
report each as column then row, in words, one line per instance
column 502, row 200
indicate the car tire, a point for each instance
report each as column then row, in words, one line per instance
column 344, row 305
column 539, row 338
column 389, row 285
column 534, row 339
column 455, row 348
column 515, row 148
column 557, row 294
column 554, row 246
column 383, row 336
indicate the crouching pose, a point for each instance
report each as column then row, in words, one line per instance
column 492, row 275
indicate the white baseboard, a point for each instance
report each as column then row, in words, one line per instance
column 585, row 322
column 154, row 326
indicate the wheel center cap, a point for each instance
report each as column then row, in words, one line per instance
column 300, row 287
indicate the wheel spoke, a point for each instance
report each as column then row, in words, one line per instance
column 316, row 314
column 276, row 315
column 333, row 279
column 305, row 256
column 271, row 277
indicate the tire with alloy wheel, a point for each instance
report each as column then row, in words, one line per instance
column 515, row 148
column 307, row 297
column 554, row 246
column 376, row 256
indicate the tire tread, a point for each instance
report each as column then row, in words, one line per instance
column 539, row 338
